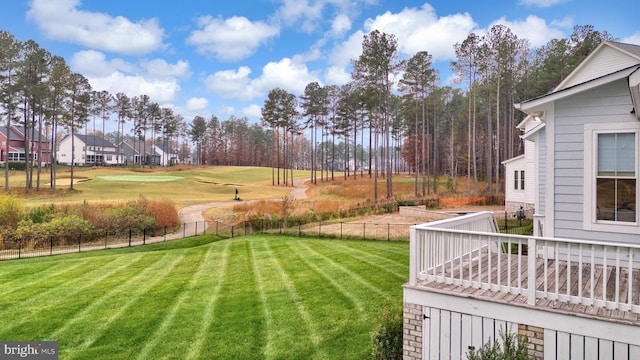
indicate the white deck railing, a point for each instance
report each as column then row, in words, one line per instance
column 468, row 251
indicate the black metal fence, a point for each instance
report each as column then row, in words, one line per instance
column 512, row 223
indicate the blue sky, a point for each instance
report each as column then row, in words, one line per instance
column 222, row 57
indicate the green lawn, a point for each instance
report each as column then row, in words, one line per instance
column 254, row 297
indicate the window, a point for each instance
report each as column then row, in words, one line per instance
column 611, row 166
column 515, row 180
column 616, row 177
column 521, row 179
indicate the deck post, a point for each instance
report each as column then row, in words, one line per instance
column 413, row 259
column 531, row 270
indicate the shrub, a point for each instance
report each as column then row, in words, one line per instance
column 41, row 213
column 512, row 347
column 387, row 337
column 64, row 226
column 11, row 211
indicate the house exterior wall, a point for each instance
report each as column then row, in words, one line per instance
column 518, row 197
column 607, row 59
column 610, row 103
column 442, row 326
column 541, row 174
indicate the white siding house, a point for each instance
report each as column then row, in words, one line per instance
column 521, row 182
column 574, row 286
column 89, row 150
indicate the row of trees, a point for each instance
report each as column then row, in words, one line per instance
column 392, row 116
column 397, row 105
column 39, row 92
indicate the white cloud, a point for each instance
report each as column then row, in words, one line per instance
column 287, row 74
column 253, row 112
column 223, row 112
column 420, row 29
column 632, row 39
column 231, row 84
column 197, row 104
column 337, row 75
column 340, row 25
column 117, row 75
column 160, row 69
column 62, row 20
column 541, row 3
column 235, row 38
column 292, row 11
column 342, row 54
column 533, row 28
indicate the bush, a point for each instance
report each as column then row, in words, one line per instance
column 512, row 347
column 41, row 214
column 387, row 337
column 11, row 211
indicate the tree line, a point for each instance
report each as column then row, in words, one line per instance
column 392, row 117
column 396, row 106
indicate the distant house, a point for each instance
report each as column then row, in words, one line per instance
column 40, row 144
column 168, row 154
column 574, row 286
column 520, row 179
column 143, row 154
column 90, row 150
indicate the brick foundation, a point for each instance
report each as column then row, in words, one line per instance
column 412, row 332
column 535, row 335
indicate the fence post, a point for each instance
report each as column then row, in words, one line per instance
column 364, row 231
column 506, row 224
column 165, row 233
column 299, row 229
column 184, row 230
column 217, row 222
column 196, row 228
column 388, row 232
column 232, row 228
column 51, row 245
column 20, row 249
column 320, row 228
column 106, row 236
column 341, row 230
column 144, row 236
column 129, row 237
column 79, row 241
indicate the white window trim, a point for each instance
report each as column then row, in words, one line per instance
column 591, row 132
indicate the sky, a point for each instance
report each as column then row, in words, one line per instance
column 223, row 57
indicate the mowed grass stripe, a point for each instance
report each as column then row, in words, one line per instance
column 217, row 270
column 183, row 308
column 377, row 261
column 238, row 327
column 286, row 305
column 330, row 262
column 337, row 319
column 81, row 330
column 63, row 289
column 269, row 349
column 358, row 268
column 335, row 278
column 29, row 280
column 129, row 329
column 40, row 321
column 383, row 251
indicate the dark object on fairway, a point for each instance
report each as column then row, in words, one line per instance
column 236, row 198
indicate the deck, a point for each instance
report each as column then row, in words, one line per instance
column 467, row 257
column 551, row 277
